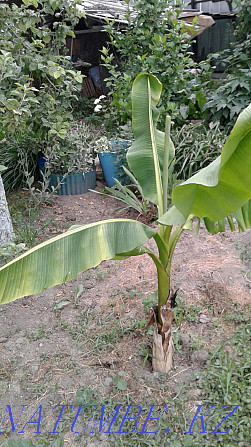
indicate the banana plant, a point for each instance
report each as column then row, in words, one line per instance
column 213, row 194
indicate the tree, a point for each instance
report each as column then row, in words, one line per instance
column 37, row 83
column 154, row 41
column 6, row 229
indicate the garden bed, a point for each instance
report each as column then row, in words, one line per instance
column 86, row 335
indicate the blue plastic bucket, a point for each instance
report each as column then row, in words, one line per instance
column 108, row 161
column 111, row 167
column 74, row 183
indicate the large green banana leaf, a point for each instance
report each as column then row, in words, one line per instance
column 224, row 186
column 61, row 258
column 145, row 157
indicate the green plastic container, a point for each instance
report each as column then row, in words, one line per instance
column 74, row 183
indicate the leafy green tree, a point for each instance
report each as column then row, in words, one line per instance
column 154, row 41
column 37, row 80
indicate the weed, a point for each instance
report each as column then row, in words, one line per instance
column 245, row 256
column 145, row 352
column 111, row 304
column 102, row 275
column 227, row 379
column 39, row 333
column 37, row 390
column 176, row 341
column 196, row 344
column 185, row 311
column 150, row 300
column 17, row 442
column 10, row 251
column 106, row 338
column 77, row 332
column 114, row 293
column 119, row 382
column 133, row 292
column 25, row 230
column 238, row 314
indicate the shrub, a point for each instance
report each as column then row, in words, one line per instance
column 75, row 153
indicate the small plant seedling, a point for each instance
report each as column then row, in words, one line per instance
column 119, row 382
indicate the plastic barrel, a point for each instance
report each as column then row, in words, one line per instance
column 111, row 167
column 74, row 183
column 108, row 161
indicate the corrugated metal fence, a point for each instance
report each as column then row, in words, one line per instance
column 219, row 36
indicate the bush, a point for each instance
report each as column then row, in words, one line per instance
column 76, row 152
column 18, row 153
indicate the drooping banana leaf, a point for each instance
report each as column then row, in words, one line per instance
column 243, row 216
column 224, row 186
column 145, row 156
column 61, row 258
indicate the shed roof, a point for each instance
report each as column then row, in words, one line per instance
column 112, row 9
column 118, row 9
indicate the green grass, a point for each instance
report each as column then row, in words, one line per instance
column 185, row 311
column 238, row 314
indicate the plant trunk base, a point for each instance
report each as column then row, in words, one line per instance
column 162, row 350
column 162, row 336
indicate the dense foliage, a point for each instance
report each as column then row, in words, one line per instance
column 156, row 42
column 226, row 100
column 78, row 150
column 37, row 82
column 196, row 147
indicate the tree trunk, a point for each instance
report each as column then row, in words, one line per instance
column 6, row 229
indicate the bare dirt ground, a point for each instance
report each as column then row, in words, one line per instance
column 81, row 335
